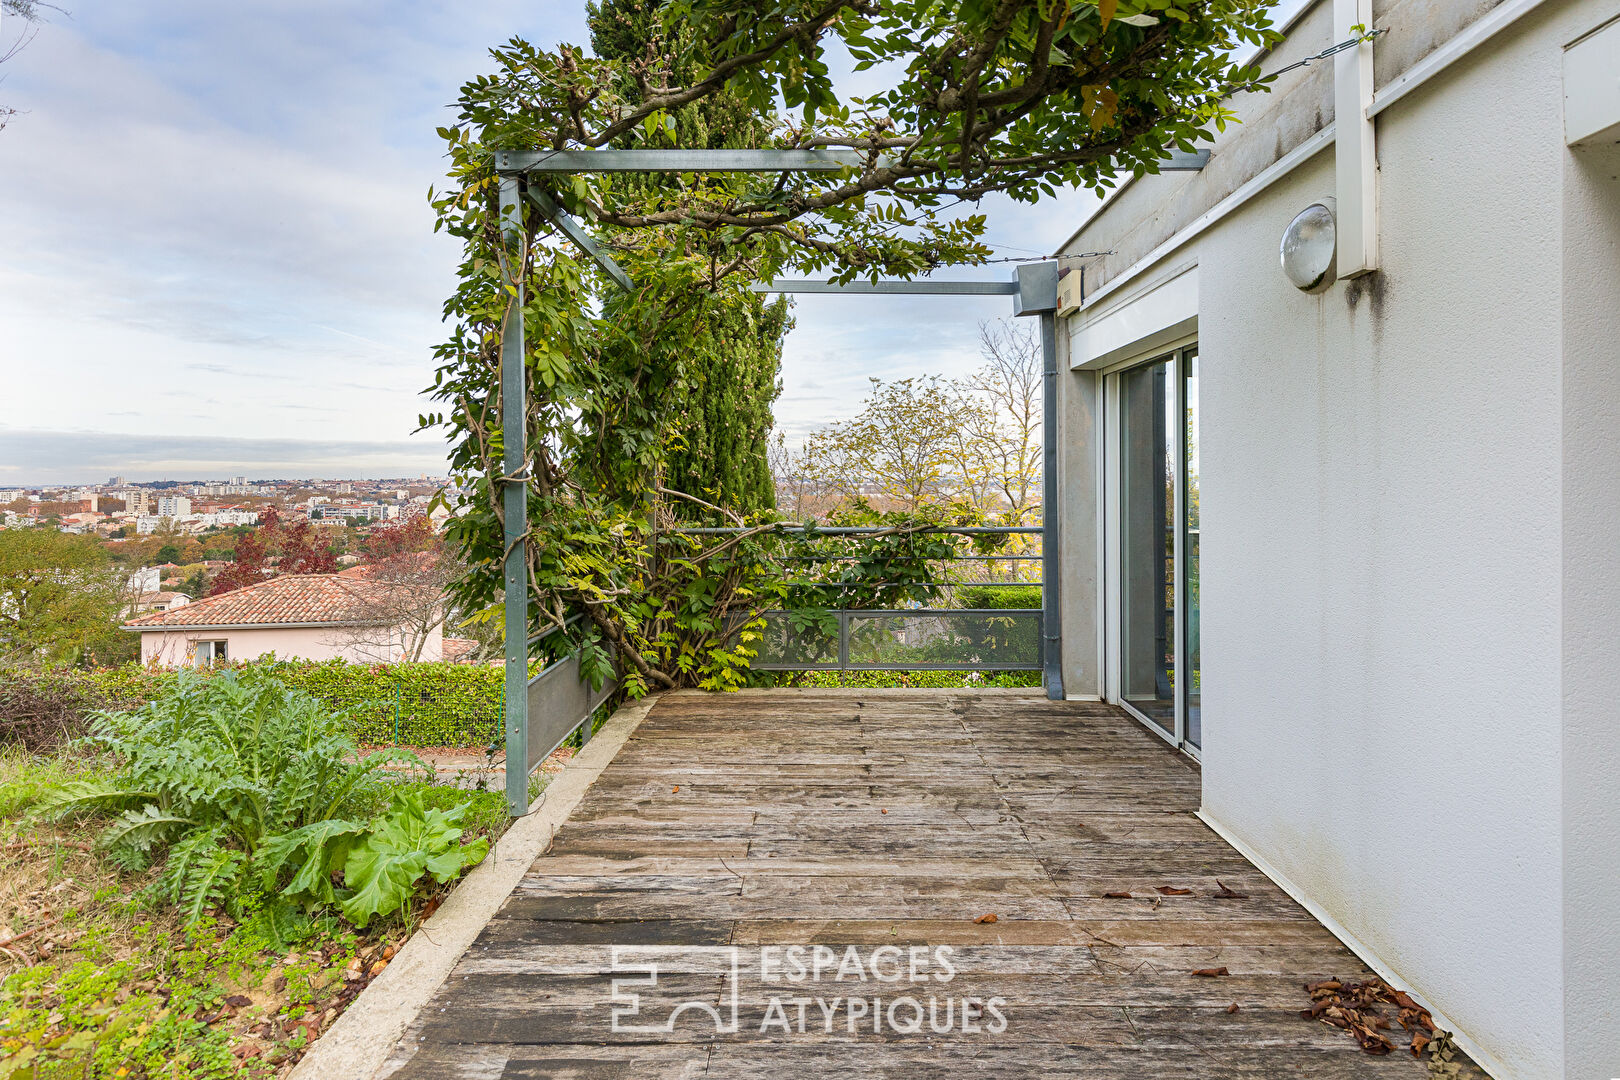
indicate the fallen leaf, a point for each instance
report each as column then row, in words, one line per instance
column 986, row 918
column 1210, row 973
column 238, row 1001
column 1419, row 1041
column 1232, row 1008
column 1171, row 890
column 377, row 968
column 1118, row 896
column 883, row 811
column 1228, row 894
column 675, row 789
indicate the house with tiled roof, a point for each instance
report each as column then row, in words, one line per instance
column 297, row 616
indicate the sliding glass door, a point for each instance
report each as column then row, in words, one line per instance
column 1147, row 540
column 1155, row 543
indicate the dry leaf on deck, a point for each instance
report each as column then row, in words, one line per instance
column 986, row 918
column 1171, row 890
column 1118, row 895
column 1210, row 973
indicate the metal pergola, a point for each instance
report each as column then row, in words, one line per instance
column 541, row 713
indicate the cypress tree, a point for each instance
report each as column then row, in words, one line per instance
column 722, row 421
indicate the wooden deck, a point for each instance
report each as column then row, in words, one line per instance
column 884, row 818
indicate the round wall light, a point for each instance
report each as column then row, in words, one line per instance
column 1310, row 247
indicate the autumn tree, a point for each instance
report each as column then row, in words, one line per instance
column 414, row 534
column 61, row 600
column 301, row 548
column 400, row 594
column 903, row 447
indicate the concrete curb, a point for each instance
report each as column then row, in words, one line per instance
column 361, row 1040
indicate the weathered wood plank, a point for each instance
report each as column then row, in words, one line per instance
column 893, row 821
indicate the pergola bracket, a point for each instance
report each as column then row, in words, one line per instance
column 570, row 228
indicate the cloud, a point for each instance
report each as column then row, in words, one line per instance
column 71, row 457
column 216, row 221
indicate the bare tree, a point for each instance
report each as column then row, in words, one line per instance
column 31, row 13
column 397, row 604
column 1007, row 435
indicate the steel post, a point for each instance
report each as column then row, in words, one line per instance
column 514, row 505
column 1051, row 518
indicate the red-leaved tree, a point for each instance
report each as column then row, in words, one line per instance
column 301, row 548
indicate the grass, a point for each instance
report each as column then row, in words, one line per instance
column 97, row 982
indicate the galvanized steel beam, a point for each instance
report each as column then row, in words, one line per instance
column 570, row 228
column 605, row 161
column 890, row 288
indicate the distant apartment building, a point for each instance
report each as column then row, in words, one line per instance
column 135, row 500
column 116, row 481
column 343, row 511
column 235, row 487
column 147, row 524
column 173, row 506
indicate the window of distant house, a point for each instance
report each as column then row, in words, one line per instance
column 209, row 652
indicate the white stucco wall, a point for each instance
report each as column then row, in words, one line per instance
column 1591, row 599
column 1410, row 546
column 1383, row 564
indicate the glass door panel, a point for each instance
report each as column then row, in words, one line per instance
column 1189, row 555
column 1150, row 446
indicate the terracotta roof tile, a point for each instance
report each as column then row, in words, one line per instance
column 285, row 600
column 458, row 650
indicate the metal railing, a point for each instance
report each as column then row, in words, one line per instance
column 902, row 639
column 912, row 639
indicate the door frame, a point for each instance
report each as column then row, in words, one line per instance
column 1177, row 352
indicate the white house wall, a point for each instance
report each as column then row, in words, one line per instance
column 1409, row 553
column 175, row 647
column 1591, row 599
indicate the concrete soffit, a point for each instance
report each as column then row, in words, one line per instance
column 1160, row 312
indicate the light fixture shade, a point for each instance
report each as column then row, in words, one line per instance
column 1310, row 247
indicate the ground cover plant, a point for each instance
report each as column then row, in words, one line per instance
column 200, row 886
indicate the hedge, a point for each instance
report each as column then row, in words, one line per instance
column 998, row 596
column 436, row 704
column 422, row 704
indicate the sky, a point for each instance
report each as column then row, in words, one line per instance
column 218, row 257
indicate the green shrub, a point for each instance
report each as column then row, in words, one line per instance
column 998, row 596
column 382, row 863
column 239, row 782
column 426, row 704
